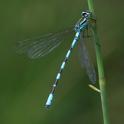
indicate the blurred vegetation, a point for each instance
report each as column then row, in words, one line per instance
column 25, row 83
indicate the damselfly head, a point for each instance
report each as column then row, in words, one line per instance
column 86, row 14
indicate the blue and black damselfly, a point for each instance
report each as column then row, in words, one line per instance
column 43, row 45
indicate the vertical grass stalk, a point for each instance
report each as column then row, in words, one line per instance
column 102, row 81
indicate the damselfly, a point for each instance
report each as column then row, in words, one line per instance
column 41, row 46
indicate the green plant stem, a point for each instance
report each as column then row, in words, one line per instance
column 102, row 81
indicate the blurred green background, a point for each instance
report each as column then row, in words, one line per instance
column 25, row 84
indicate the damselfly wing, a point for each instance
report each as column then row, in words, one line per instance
column 43, row 45
column 85, row 60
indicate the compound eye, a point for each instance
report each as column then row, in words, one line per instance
column 84, row 14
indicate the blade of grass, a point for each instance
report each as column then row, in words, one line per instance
column 102, row 81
